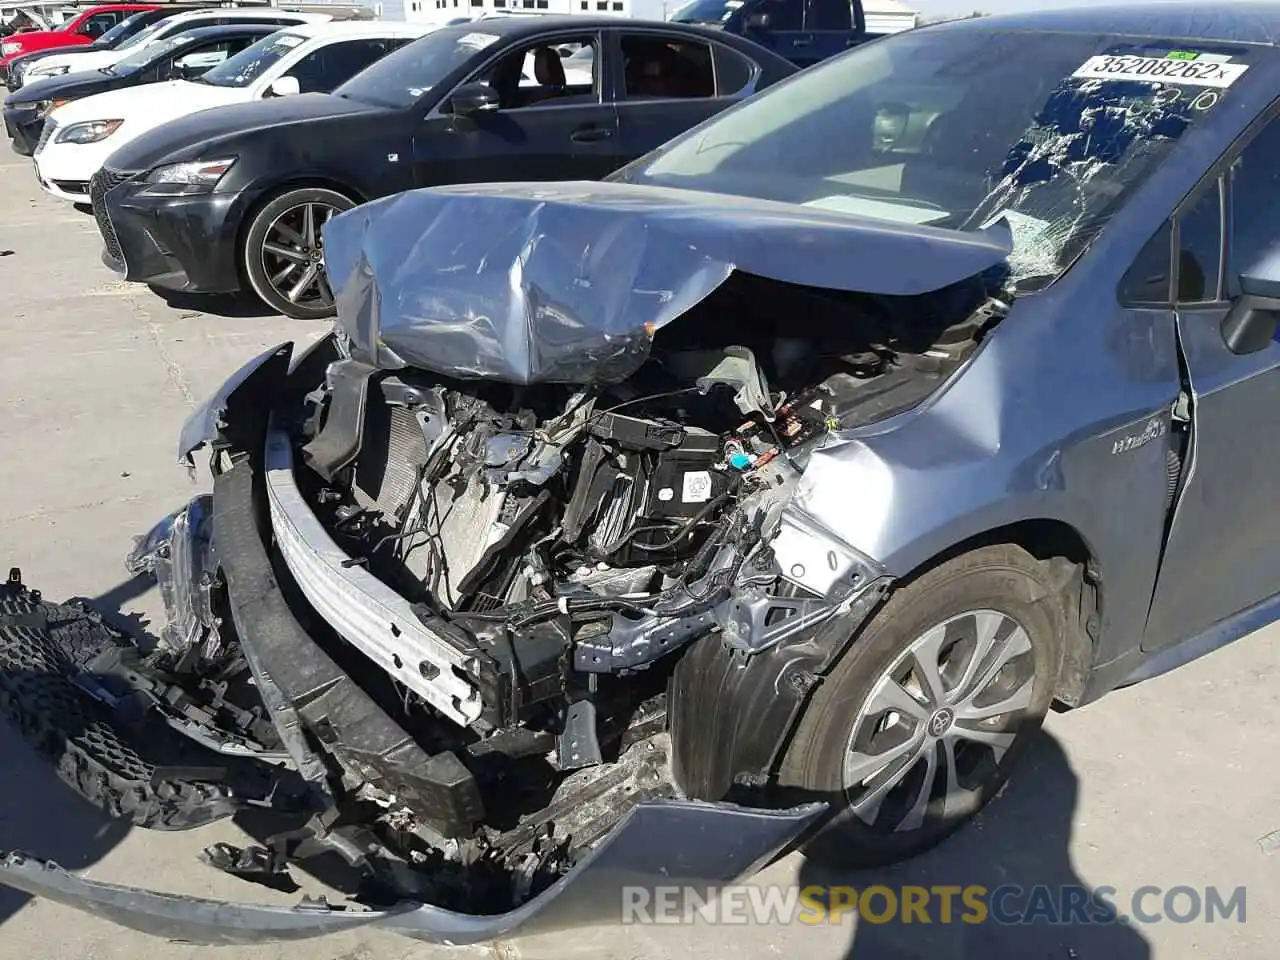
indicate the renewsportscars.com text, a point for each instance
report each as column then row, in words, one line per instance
column 939, row 904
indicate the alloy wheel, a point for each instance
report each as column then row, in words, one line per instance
column 939, row 721
column 293, row 255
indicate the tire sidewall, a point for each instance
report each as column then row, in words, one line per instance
column 997, row 579
column 255, row 236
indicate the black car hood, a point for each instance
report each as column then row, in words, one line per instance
column 186, row 137
column 568, row 282
column 68, row 86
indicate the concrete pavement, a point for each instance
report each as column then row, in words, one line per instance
column 1173, row 783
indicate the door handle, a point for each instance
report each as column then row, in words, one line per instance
column 802, row 41
column 591, row 135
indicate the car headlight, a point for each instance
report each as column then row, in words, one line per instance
column 46, row 71
column 46, row 107
column 7, row 49
column 91, row 131
column 192, row 177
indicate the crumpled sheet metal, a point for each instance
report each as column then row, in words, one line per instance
column 568, row 282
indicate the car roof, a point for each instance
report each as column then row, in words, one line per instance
column 360, row 28
column 1250, row 21
column 518, row 26
column 224, row 29
column 247, row 13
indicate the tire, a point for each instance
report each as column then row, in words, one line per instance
column 857, row 717
column 279, row 226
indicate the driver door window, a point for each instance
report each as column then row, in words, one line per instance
column 535, row 75
column 197, row 60
column 657, row 67
column 99, row 24
column 785, row 16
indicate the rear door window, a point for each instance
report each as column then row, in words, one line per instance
column 661, row 68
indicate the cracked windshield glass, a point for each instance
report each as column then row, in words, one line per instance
column 1049, row 132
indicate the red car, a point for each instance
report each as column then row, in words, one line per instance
column 85, row 27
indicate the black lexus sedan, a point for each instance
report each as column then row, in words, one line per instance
column 183, row 56
column 235, row 197
column 133, row 24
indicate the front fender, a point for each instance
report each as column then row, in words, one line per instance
column 235, row 411
column 253, row 384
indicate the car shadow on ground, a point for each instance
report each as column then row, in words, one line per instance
column 40, row 815
column 235, row 306
column 1022, row 840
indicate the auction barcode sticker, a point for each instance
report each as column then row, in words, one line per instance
column 1184, row 67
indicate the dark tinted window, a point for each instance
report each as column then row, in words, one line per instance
column 733, row 71
column 326, row 68
column 1148, row 279
column 1200, row 248
column 784, row 14
column 1255, row 197
column 828, row 15
column 99, row 24
column 659, row 68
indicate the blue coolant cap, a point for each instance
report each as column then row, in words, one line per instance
column 739, row 461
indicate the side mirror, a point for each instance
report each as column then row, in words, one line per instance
column 1251, row 323
column 284, row 87
column 757, row 21
column 472, row 98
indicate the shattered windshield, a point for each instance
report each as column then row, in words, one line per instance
column 959, row 128
column 255, row 59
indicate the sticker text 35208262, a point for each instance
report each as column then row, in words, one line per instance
column 1199, row 73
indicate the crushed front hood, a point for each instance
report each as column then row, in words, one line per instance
column 568, row 282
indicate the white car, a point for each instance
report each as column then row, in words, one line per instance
column 311, row 58
column 59, row 64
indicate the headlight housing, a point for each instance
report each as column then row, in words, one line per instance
column 38, row 72
column 90, row 131
column 46, row 107
column 185, row 179
column 9, row 48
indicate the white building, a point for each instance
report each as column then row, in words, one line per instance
column 888, row 16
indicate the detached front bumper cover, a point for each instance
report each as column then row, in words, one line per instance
column 660, row 842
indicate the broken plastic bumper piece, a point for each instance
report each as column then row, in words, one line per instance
column 659, row 842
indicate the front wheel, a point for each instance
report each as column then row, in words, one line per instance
column 920, row 723
column 283, row 253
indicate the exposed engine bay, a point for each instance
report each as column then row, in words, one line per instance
column 461, row 627
column 496, row 583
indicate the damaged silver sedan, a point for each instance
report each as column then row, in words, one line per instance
column 765, row 495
